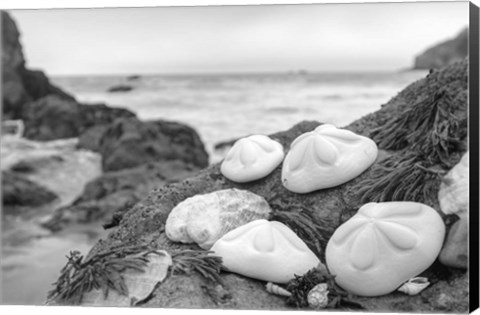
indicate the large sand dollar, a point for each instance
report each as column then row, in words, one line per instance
column 265, row 250
column 384, row 245
column 326, row 157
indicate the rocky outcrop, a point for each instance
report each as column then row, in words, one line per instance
column 48, row 112
column 444, row 54
column 19, row 191
column 54, row 117
column 412, row 154
column 130, row 142
column 20, row 85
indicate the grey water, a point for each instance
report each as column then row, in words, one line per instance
column 218, row 106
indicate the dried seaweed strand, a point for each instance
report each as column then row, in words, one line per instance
column 204, row 263
column 100, row 271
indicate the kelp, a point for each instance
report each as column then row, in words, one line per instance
column 202, row 262
column 429, row 127
column 401, row 178
column 300, row 286
column 100, row 271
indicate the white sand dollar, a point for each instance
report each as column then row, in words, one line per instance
column 252, row 158
column 326, row 157
column 265, row 250
column 384, row 245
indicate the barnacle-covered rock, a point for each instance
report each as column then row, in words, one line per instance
column 203, row 219
column 326, row 157
column 384, row 245
column 252, row 158
column 265, row 250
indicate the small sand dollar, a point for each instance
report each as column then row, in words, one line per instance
column 326, row 157
column 384, row 245
column 265, row 250
column 252, row 158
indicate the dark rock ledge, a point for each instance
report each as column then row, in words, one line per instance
column 434, row 139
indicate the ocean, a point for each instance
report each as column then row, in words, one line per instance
column 229, row 106
column 218, row 107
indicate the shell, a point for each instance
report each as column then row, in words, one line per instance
column 326, row 157
column 384, row 245
column 277, row 290
column 140, row 284
column 265, row 250
column 317, row 297
column 203, row 219
column 252, row 158
column 414, row 285
column 453, row 194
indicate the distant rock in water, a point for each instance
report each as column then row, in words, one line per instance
column 445, row 53
column 129, row 142
column 133, row 77
column 19, row 191
column 120, row 88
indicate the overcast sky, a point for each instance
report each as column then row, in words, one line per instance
column 321, row 37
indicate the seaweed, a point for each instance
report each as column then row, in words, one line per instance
column 100, row 271
column 301, row 220
column 429, row 127
column 300, row 286
column 401, row 178
column 305, row 225
column 202, row 262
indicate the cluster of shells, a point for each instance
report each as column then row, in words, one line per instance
column 375, row 252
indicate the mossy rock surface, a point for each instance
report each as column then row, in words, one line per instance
column 144, row 222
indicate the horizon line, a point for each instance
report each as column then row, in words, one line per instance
column 299, row 72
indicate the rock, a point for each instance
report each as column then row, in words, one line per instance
column 48, row 112
column 120, row 88
column 455, row 251
column 19, row 191
column 112, row 193
column 129, row 142
column 53, row 117
column 144, row 222
column 445, row 53
column 20, row 85
column 133, row 77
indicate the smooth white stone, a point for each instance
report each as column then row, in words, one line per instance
column 252, row 158
column 326, row 157
column 203, row 219
column 384, row 245
column 265, row 250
